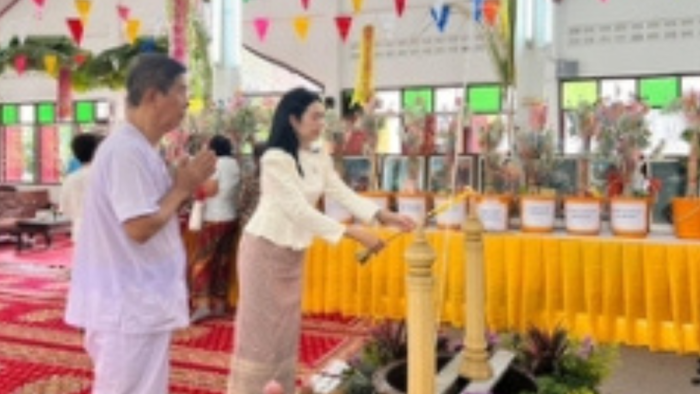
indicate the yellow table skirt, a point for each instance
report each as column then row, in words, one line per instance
column 636, row 292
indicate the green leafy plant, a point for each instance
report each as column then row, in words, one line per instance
column 559, row 364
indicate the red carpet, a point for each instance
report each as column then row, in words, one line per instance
column 40, row 354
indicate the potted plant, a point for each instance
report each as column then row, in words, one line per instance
column 582, row 210
column 411, row 199
column 623, row 136
column 535, row 153
column 500, row 178
column 558, row 363
column 686, row 210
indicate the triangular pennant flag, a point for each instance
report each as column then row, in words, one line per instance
column 133, row 29
column 400, row 7
column 440, row 14
column 124, row 12
column 478, row 10
column 305, row 4
column 50, row 63
column 83, row 7
column 76, row 29
column 343, row 23
column 357, row 5
column 261, row 24
column 301, row 26
column 20, row 64
column 39, row 8
column 491, row 11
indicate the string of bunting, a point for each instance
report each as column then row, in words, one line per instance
column 51, row 54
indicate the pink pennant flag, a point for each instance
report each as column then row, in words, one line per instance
column 261, row 27
column 305, row 4
column 20, row 64
column 124, row 12
column 343, row 23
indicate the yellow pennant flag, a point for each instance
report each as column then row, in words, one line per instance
column 50, row 63
column 357, row 5
column 301, row 27
column 364, row 84
column 133, row 29
column 83, row 7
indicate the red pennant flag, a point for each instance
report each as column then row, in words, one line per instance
column 305, row 4
column 261, row 27
column 76, row 29
column 20, row 64
column 124, row 12
column 39, row 3
column 400, row 7
column 343, row 23
column 79, row 59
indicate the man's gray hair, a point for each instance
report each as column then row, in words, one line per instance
column 151, row 71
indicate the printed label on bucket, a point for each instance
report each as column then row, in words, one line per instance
column 454, row 216
column 493, row 215
column 629, row 216
column 413, row 208
column 538, row 214
column 582, row 217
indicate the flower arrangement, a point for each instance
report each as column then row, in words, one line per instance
column 369, row 123
column 559, row 364
column 584, row 124
column 418, row 125
column 535, row 151
column 501, row 175
column 622, row 137
column 690, row 106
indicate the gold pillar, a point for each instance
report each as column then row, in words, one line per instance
column 421, row 315
column 475, row 364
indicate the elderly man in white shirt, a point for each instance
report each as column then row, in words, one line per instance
column 73, row 188
column 128, row 289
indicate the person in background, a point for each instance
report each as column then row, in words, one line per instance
column 128, row 290
column 271, row 251
column 73, row 188
column 249, row 193
column 211, row 268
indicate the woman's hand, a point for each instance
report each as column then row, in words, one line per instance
column 403, row 222
column 368, row 239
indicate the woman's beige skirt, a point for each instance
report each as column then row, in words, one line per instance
column 268, row 320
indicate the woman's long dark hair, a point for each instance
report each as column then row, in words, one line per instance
column 282, row 136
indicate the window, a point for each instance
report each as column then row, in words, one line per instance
column 691, row 84
column 85, row 112
column 46, row 113
column 448, row 100
column 485, row 99
column 659, row 92
column 389, row 101
column 19, row 158
column 415, row 97
column 578, row 92
column 34, row 147
column 10, row 115
column 624, row 90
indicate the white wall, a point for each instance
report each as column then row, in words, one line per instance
column 103, row 30
column 409, row 50
column 625, row 37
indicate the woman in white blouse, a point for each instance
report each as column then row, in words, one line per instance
column 271, row 252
